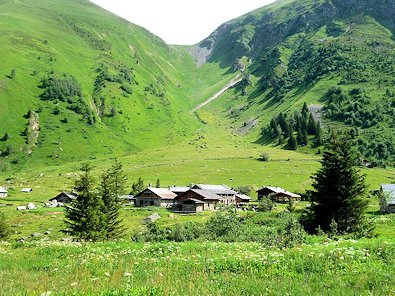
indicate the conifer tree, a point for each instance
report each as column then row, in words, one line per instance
column 317, row 141
column 111, row 187
column 84, row 217
column 292, row 144
column 311, row 125
column 157, row 185
column 338, row 195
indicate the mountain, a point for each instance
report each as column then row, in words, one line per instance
column 76, row 76
column 337, row 56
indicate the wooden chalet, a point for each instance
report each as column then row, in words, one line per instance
column 197, row 200
column 159, row 197
column 277, row 194
column 64, row 197
column 388, row 204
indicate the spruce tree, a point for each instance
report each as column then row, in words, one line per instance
column 339, row 191
column 311, row 125
column 157, row 185
column 292, row 144
column 84, row 217
column 111, row 187
column 317, row 141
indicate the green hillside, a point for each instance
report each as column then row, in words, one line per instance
column 337, row 56
column 77, row 81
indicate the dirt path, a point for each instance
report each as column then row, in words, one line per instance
column 234, row 81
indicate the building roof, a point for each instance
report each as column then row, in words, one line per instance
column 218, row 189
column 207, row 194
column 162, row 193
column 129, row 197
column 26, row 190
column 179, row 188
column 279, row 190
column 3, row 190
column 390, row 189
column 243, row 196
column 71, row 195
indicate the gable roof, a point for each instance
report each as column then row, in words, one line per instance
column 390, row 189
column 193, row 200
column 70, row 195
column 26, row 190
column 218, row 189
column 179, row 188
column 243, row 196
column 279, row 190
column 162, row 193
column 205, row 194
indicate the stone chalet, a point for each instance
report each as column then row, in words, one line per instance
column 160, row 197
column 277, row 194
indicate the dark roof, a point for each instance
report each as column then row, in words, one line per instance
column 205, row 194
column 279, row 191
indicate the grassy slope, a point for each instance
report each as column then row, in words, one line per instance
column 38, row 38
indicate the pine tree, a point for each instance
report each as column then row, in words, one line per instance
column 317, row 141
column 138, row 186
column 84, row 217
column 111, row 187
column 311, row 125
column 157, row 185
column 338, row 195
column 292, row 144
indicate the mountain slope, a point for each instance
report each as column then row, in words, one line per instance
column 337, row 56
column 74, row 75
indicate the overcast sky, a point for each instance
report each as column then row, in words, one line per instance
column 183, row 22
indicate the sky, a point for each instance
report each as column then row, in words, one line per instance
column 182, row 22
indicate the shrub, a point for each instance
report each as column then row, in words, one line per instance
column 264, row 157
column 4, row 228
column 265, row 205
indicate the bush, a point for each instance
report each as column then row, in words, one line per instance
column 5, row 230
column 265, row 205
column 264, row 157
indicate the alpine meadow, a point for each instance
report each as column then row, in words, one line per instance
column 260, row 161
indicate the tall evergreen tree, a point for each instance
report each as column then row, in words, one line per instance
column 111, row 187
column 84, row 217
column 317, row 141
column 338, row 195
column 157, row 185
column 292, row 144
column 311, row 125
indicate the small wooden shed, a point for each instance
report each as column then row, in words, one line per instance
column 64, row 197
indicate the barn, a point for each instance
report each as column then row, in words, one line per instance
column 277, row 194
column 228, row 195
column 64, row 197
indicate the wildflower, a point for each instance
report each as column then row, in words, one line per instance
column 341, row 258
column 73, row 284
column 95, row 279
column 127, row 274
column 107, row 274
column 46, row 293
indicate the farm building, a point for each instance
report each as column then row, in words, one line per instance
column 388, row 201
column 228, row 195
column 277, row 194
column 197, row 200
column 64, row 197
column 160, row 197
column 242, row 199
column 26, row 190
column 3, row 192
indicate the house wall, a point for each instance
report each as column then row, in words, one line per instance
column 147, row 201
column 192, row 208
column 166, row 203
column 3, row 194
column 283, row 198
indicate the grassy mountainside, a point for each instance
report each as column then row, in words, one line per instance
column 337, row 56
column 74, row 75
